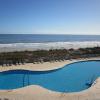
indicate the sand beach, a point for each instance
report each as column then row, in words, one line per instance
column 47, row 46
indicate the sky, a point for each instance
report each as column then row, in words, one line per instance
column 50, row 16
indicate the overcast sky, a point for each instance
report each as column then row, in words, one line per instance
column 50, row 16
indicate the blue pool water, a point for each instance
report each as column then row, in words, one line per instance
column 71, row 78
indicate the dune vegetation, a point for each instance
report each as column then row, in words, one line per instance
column 40, row 56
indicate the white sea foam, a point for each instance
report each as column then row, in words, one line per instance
column 47, row 46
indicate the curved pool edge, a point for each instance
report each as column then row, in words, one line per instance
column 46, row 66
column 38, row 92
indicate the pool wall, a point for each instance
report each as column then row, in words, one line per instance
column 37, row 93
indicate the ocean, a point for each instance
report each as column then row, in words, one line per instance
column 38, row 38
column 31, row 42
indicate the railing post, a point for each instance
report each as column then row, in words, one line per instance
column 23, row 80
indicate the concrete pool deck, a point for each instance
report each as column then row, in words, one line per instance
column 34, row 92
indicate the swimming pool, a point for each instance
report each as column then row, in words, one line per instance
column 71, row 78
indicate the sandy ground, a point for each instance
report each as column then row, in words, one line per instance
column 34, row 92
column 43, row 66
column 36, row 67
